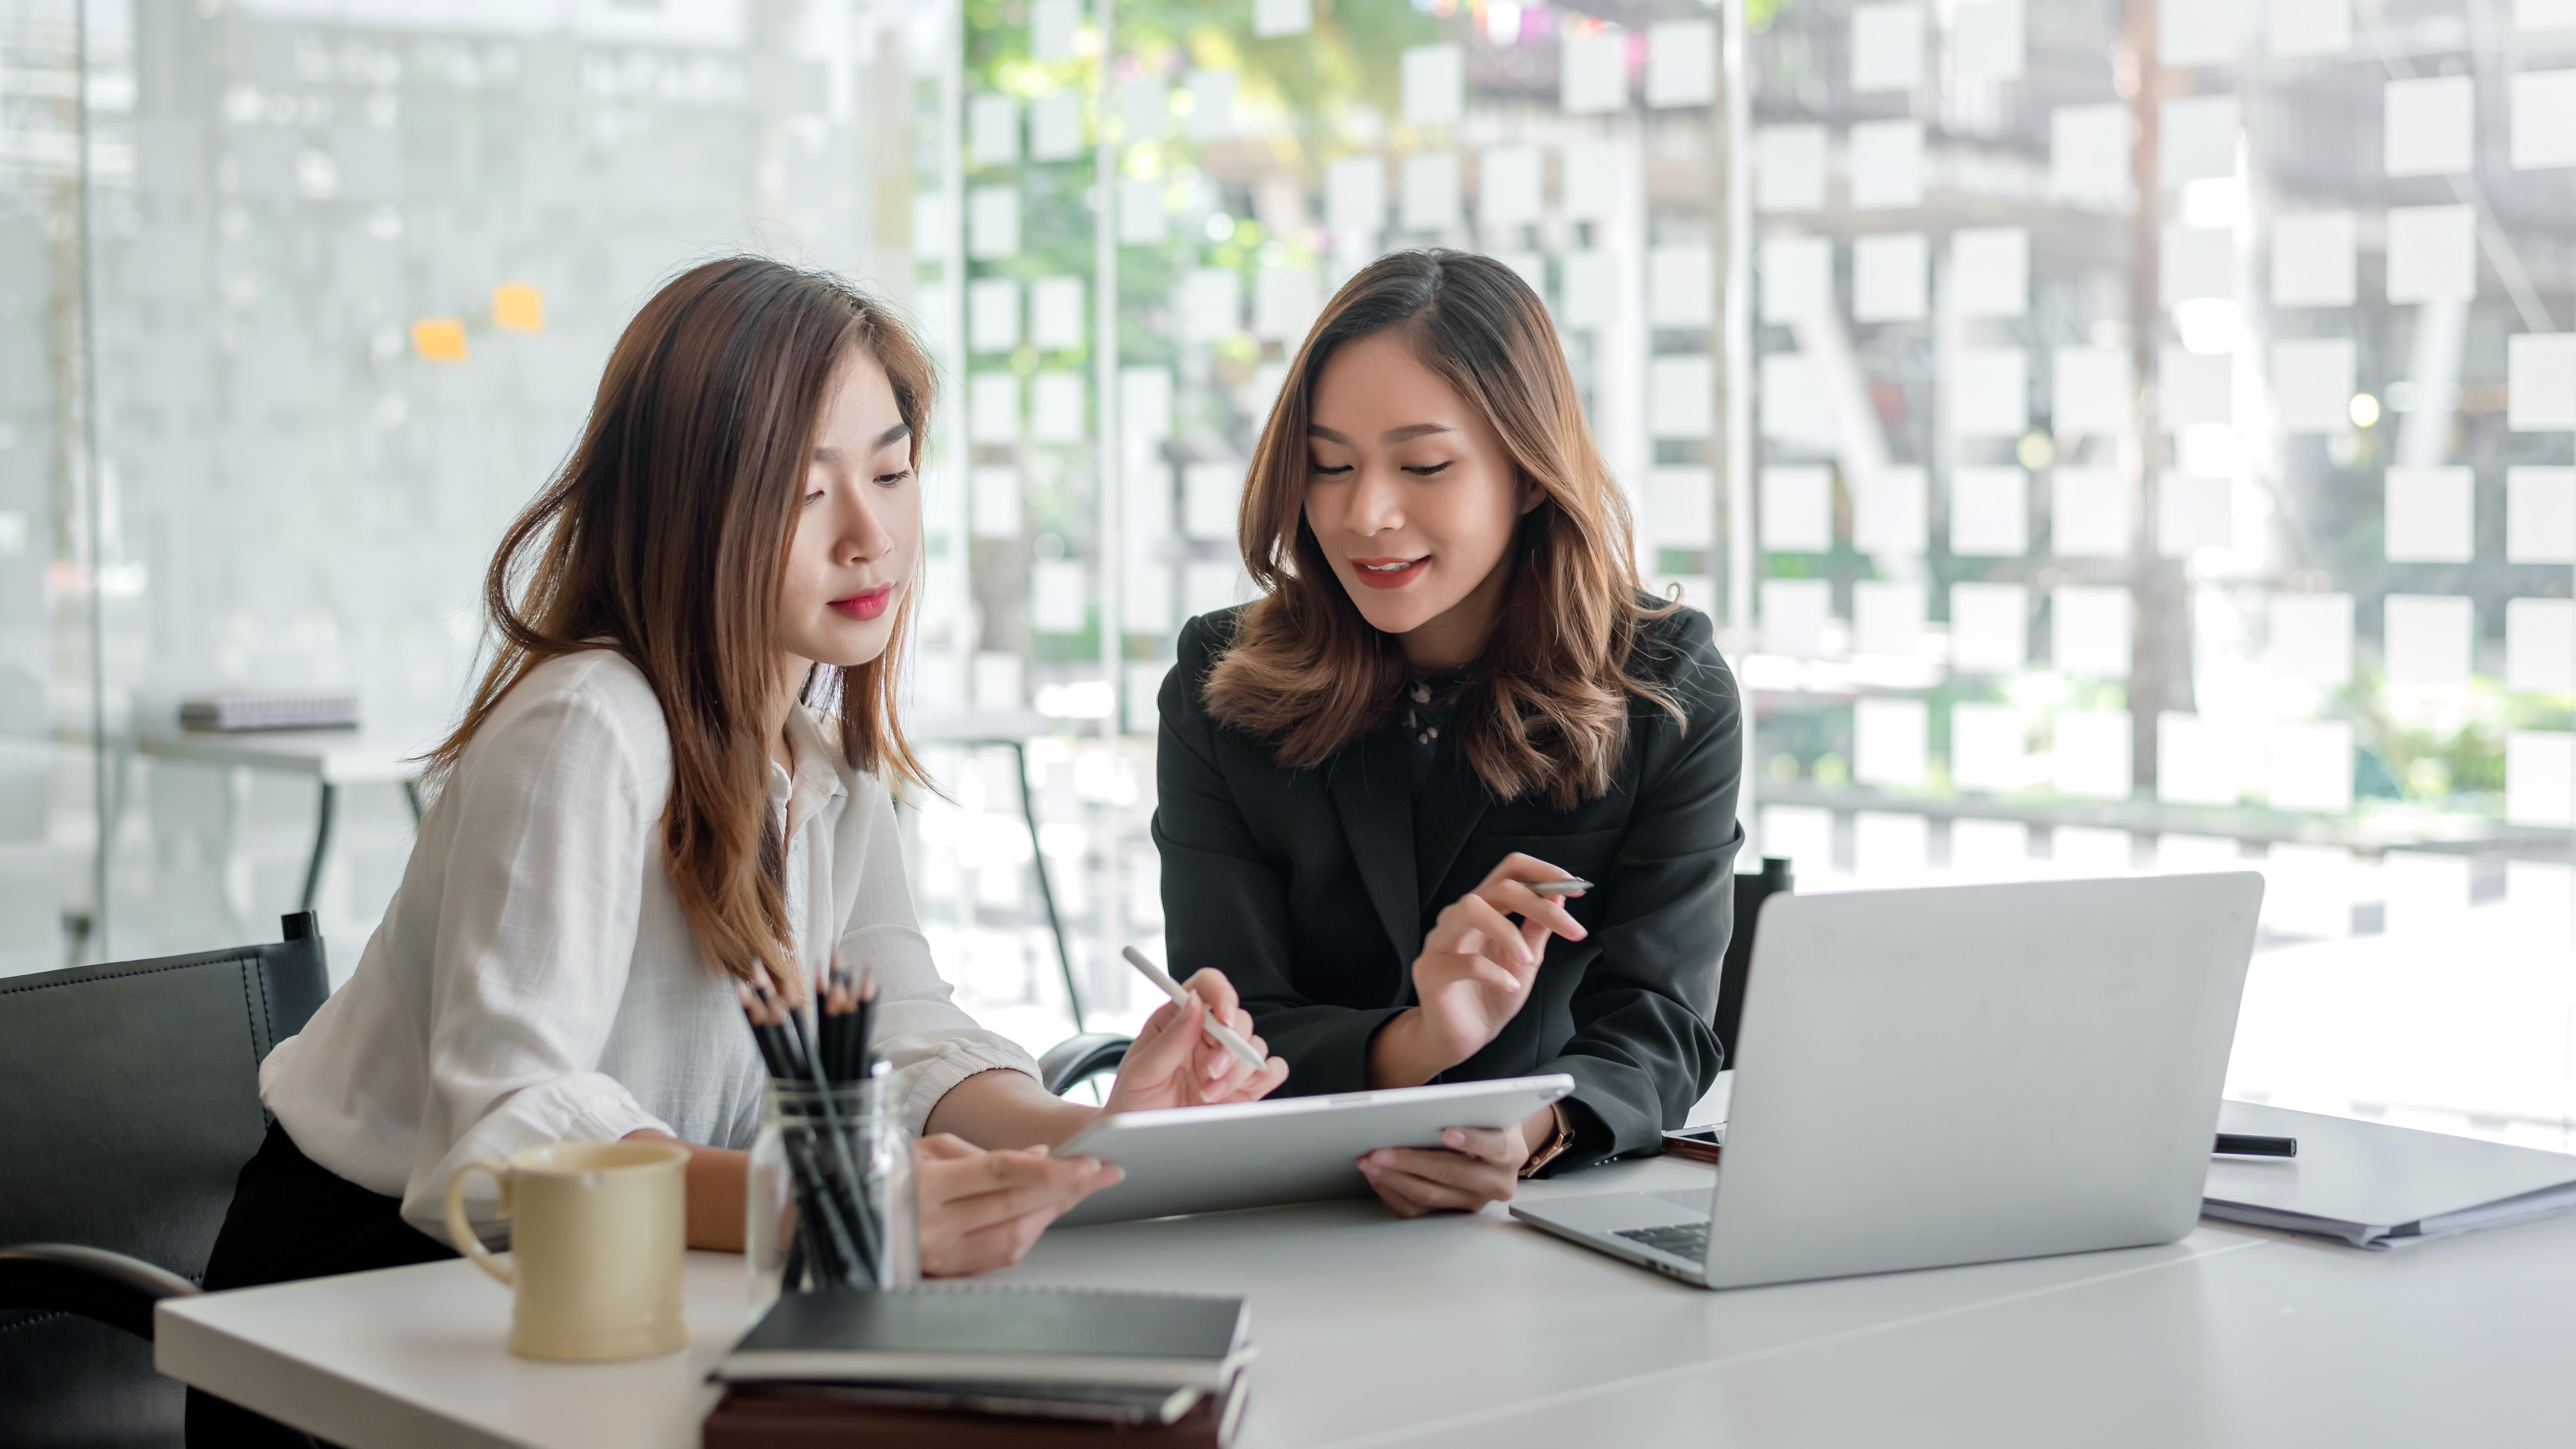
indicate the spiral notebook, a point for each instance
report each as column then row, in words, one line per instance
column 1020, row 1335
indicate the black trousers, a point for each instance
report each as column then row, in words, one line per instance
column 293, row 1219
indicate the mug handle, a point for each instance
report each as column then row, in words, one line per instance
column 462, row 1232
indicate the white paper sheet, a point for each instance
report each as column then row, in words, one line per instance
column 1273, row 18
column 1681, row 396
column 2544, row 119
column 992, row 314
column 1681, row 63
column 1988, row 749
column 1797, row 278
column 2432, row 253
column 2312, row 767
column 992, row 130
column 1591, row 282
column 1435, row 85
column 1055, row 126
column 2195, row 262
column 1145, row 494
column 2197, row 139
column 1208, row 585
column 1355, row 201
column 1056, row 313
column 1802, row 834
column 2196, row 32
column 998, row 686
column 2429, row 126
column 1144, row 109
column 993, row 501
column 2539, row 778
column 1890, row 277
column 1990, row 849
column 1052, row 24
column 1887, row 46
column 2198, row 760
column 1789, row 168
column 2540, row 645
column 2426, row 638
column 1507, row 188
column 1590, row 178
column 2428, row 515
column 1890, row 741
column 1148, row 605
column 2310, row 27
column 1990, row 271
column 2427, row 894
column 2308, row 890
column 1986, row 39
column 1989, row 627
column 1057, row 602
column 1592, row 73
column 1887, row 618
column 2540, row 514
column 2540, row 382
column 2089, row 389
column 2089, row 629
column 1793, row 616
column 1989, row 512
column 1889, row 848
column 2183, row 853
column 1989, row 392
column 2196, row 513
column 2088, row 512
column 1797, row 510
column 1430, row 191
column 1056, row 406
column 2312, row 384
column 1796, row 409
column 1144, row 404
column 1210, row 494
column 1890, row 513
column 2091, row 754
column 1679, row 509
column 2312, row 259
column 992, row 223
column 2194, row 388
column 1211, row 304
column 1143, row 220
column 993, row 407
column 1284, row 303
column 1886, row 164
column 2088, row 155
column 1260, row 391
column 2312, row 638
column 1211, row 105
column 1681, row 286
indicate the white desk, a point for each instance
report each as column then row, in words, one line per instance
column 332, row 757
column 1477, row 1332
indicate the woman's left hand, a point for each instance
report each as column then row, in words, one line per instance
column 1472, row 1167
column 1174, row 1064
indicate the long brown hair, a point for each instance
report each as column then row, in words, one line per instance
column 664, row 537
column 1546, row 706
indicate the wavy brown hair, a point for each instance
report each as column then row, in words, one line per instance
column 1545, row 708
column 664, row 537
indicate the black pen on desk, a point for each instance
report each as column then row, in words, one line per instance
column 2246, row 1144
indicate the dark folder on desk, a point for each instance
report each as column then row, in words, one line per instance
column 2374, row 1185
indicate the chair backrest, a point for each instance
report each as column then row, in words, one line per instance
column 129, row 1100
column 1751, row 890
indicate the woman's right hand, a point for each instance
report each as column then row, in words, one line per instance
column 1477, row 965
column 983, row 1210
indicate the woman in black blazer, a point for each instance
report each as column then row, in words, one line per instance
column 1453, row 690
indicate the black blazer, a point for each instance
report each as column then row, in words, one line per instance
column 1310, row 891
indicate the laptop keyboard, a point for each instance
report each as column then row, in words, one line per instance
column 1682, row 1240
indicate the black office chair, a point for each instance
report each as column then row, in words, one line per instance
column 129, row 1100
column 1751, row 890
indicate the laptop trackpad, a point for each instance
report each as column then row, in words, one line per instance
column 1701, row 1200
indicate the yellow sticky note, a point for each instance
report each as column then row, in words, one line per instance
column 518, row 307
column 439, row 339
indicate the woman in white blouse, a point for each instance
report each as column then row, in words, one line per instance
column 640, row 810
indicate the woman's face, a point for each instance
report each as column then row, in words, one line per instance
column 858, row 525
column 1413, row 497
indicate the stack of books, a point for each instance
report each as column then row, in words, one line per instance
column 986, row 1368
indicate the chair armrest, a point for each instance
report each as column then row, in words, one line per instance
column 1077, row 1059
column 92, row 1282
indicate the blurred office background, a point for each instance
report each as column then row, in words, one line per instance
column 2111, row 436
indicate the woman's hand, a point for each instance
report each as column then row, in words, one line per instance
column 984, row 1209
column 1476, row 969
column 1475, row 1166
column 1174, row 1064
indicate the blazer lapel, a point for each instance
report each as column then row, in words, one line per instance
column 1451, row 811
column 1374, row 798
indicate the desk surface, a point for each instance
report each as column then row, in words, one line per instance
column 1461, row 1331
column 340, row 757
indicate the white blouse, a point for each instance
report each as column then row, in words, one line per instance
column 534, row 980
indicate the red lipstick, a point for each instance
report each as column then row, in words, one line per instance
column 1389, row 573
column 867, row 604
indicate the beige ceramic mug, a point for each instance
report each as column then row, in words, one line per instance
column 598, row 1231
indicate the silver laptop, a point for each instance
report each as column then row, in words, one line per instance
column 1957, row 1075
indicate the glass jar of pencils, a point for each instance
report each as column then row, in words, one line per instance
column 830, row 1200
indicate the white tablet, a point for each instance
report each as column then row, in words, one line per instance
column 1287, row 1149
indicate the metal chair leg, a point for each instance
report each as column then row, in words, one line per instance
column 1046, row 887
column 321, row 845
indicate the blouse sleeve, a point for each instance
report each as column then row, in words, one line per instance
column 535, row 936
column 931, row 1042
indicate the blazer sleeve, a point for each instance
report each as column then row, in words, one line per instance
column 1643, row 1050
column 1225, row 903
